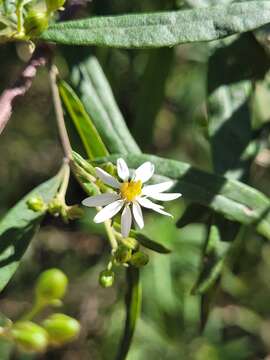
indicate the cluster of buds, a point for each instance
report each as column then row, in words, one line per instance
column 126, row 254
column 56, row 330
column 27, row 21
column 56, row 207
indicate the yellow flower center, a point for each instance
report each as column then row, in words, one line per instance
column 130, row 190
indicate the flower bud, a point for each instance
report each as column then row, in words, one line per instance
column 139, row 259
column 54, row 5
column 122, row 254
column 51, row 285
column 61, row 328
column 106, row 278
column 56, row 206
column 130, row 243
column 35, row 23
column 36, row 203
column 29, row 336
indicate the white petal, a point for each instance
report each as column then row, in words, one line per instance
column 150, row 189
column 165, row 196
column 100, row 200
column 107, row 178
column 150, row 205
column 109, row 211
column 160, row 211
column 137, row 213
column 144, row 172
column 122, row 169
column 126, row 220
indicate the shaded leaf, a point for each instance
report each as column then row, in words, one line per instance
column 133, row 309
column 89, row 135
column 152, row 87
column 162, row 29
column 213, row 259
column 18, row 227
column 95, row 93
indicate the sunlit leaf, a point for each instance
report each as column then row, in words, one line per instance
column 162, row 29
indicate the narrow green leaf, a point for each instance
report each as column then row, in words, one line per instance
column 162, row 29
column 94, row 90
column 145, row 241
column 231, row 198
column 149, row 243
column 152, row 82
column 213, row 259
column 133, row 309
column 89, row 135
column 18, row 227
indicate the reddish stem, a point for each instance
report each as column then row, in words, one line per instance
column 22, row 84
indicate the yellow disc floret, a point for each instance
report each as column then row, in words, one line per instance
column 130, row 190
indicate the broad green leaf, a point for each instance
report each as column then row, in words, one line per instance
column 89, row 135
column 162, row 29
column 152, row 83
column 194, row 213
column 96, row 95
column 18, row 227
column 133, row 309
column 231, row 198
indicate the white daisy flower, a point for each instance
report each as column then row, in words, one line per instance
column 131, row 194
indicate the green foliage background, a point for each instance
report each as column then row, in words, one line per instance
column 162, row 94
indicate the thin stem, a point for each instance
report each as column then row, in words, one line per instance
column 19, row 14
column 65, row 181
column 37, row 307
column 110, row 234
column 59, row 113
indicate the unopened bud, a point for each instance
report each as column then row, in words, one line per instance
column 130, row 243
column 35, row 23
column 54, row 5
column 55, row 207
column 51, row 285
column 61, row 328
column 36, row 203
column 106, row 278
column 29, row 336
column 139, row 259
column 122, row 254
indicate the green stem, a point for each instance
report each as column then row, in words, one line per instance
column 110, row 234
column 19, row 14
column 37, row 307
column 65, row 181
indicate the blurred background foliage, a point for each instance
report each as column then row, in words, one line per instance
column 162, row 94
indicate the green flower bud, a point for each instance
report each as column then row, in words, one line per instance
column 36, row 203
column 139, row 259
column 130, row 243
column 35, row 23
column 54, row 5
column 122, row 254
column 29, row 336
column 56, row 206
column 51, row 285
column 61, row 328
column 106, row 278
